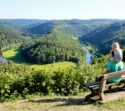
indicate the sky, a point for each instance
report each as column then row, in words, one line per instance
column 62, row 9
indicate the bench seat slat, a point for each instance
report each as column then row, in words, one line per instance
column 92, row 84
column 95, row 85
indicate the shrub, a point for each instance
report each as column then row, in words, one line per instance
column 65, row 82
column 20, row 83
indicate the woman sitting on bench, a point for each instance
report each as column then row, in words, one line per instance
column 115, row 63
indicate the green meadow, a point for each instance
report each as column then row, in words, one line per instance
column 15, row 57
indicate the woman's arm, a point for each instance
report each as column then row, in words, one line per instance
column 112, row 50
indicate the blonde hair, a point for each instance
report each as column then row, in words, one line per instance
column 115, row 45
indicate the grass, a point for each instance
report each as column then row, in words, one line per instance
column 15, row 56
column 117, row 105
column 53, row 67
column 61, row 103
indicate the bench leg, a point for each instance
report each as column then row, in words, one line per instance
column 124, row 86
column 102, row 88
column 94, row 92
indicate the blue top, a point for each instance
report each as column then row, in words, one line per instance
column 118, row 55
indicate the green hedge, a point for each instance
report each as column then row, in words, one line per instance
column 20, row 81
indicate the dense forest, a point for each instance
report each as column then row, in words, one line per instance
column 53, row 47
column 8, row 36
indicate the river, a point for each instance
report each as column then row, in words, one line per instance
column 3, row 60
column 89, row 55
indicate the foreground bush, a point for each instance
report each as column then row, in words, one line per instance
column 20, row 81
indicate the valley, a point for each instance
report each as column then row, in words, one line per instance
column 47, row 58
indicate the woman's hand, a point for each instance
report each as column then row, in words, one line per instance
column 112, row 50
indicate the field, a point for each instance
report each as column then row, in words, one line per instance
column 14, row 56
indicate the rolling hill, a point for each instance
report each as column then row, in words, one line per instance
column 100, row 32
column 73, row 27
column 104, row 36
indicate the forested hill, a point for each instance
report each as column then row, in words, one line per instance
column 104, row 36
column 31, row 28
column 73, row 27
column 8, row 36
column 53, row 47
column 20, row 23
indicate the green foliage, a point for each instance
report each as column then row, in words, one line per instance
column 53, row 48
column 8, row 36
column 11, row 75
column 19, row 81
column 65, row 82
column 41, row 82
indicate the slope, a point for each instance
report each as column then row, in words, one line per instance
column 73, row 27
column 8, row 36
column 104, row 36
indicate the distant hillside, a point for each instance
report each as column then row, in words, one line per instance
column 41, row 29
column 73, row 27
column 20, row 23
column 104, row 36
column 8, row 36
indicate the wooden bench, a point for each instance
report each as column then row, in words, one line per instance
column 99, row 87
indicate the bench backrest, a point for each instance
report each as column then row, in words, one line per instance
column 113, row 74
